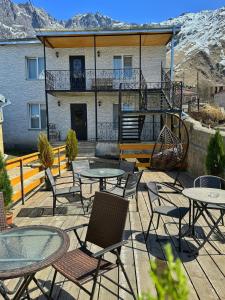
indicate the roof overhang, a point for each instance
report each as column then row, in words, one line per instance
column 75, row 39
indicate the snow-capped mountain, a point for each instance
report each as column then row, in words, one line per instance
column 200, row 45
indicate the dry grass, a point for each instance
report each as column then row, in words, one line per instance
column 209, row 115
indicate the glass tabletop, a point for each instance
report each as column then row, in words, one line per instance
column 29, row 249
column 102, row 173
column 206, row 195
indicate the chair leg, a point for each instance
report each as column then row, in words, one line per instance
column 157, row 224
column 52, row 286
column 149, row 226
column 222, row 221
column 127, row 278
column 93, row 289
column 82, row 202
column 54, row 205
column 136, row 198
column 179, row 234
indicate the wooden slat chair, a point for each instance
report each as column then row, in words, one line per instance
column 77, row 168
column 129, row 189
column 60, row 192
column 161, row 209
column 105, row 230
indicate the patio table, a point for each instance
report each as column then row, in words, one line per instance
column 202, row 198
column 28, row 249
column 101, row 174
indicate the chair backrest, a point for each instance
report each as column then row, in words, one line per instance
column 132, row 183
column 80, row 165
column 51, row 179
column 3, row 224
column 107, row 220
column 127, row 166
column 209, row 181
column 153, row 191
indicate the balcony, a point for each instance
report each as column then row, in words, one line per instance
column 90, row 79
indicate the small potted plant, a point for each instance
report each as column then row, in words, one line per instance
column 46, row 155
column 71, row 146
column 6, row 189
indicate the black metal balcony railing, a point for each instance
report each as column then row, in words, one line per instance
column 108, row 131
column 90, row 79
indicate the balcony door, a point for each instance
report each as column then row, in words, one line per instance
column 79, row 120
column 77, row 73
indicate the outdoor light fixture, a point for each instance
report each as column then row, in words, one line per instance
column 57, row 54
column 98, row 53
column 59, row 103
column 99, row 103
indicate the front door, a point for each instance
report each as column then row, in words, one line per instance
column 79, row 120
column 77, row 73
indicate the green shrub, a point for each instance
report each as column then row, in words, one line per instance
column 171, row 283
column 71, row 145
column 5, row 184
column 215, row 159
column 46, row 152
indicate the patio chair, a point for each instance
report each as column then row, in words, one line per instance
column 129, row 189
column 126, row 166
column 4, row 290
column 161, row 209
column 171, row 148
column 59, row 192
column 210, row 181
column 77, row 167
column 105, row 230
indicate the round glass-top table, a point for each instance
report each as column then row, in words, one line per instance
column 204, row 201
column 101, row 174
column 26, row 250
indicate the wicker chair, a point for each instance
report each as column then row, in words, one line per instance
column 210, row 181
column 171, row 148
column 77, row 167
column 105, row 229
column 129, row 189
column 161, row 209
column 59, row 192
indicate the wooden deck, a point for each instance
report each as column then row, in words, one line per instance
column 205, row 273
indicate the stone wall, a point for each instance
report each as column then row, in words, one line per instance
column 199, row 138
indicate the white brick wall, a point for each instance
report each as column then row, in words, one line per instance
column 20, row 91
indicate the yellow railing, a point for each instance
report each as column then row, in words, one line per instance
column 26, row 172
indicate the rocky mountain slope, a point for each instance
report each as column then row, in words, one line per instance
column 200, row 46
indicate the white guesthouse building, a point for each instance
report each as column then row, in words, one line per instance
column 61, row 80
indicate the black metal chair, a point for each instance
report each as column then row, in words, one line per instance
column 129, row 189
column 105, row 230
column 77, row 167
column 128, row 167
column 161, row 209
column 210, row 181
column 60, row 192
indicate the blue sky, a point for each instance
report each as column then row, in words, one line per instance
column 138, row 11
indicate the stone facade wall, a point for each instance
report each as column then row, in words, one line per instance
column 199, row 138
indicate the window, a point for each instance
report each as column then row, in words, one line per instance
column 37, row 116
column 115, row 116
column 35, row 68
column 124, row 62
column 127, row 65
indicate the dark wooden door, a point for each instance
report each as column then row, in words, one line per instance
column 79, row 120
column 77, row 73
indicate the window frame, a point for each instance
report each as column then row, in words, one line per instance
column 39, row 115
column 37, row 68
